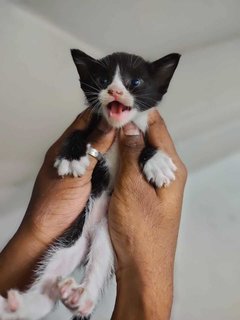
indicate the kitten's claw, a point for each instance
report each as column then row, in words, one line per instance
column 160, row 169
column 75, row 297
column 77, row 168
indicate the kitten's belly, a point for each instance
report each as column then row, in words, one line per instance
column 112, row 158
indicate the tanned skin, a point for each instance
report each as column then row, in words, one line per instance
column 143, row 220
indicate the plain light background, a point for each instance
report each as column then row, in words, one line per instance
column 40, row 96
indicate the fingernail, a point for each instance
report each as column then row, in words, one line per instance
column 131, row 129
column 104, row 126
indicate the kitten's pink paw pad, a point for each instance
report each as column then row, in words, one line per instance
column 73, row 300
column 85, row 305
column 75, row 297
column 11, row 307
column 13, row 301
column 65, row 287
column 86, row 309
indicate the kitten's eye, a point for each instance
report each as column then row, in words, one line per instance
column 104, row 82
column 135, row 83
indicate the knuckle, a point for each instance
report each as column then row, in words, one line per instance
column 133, row 143
column 132, row 150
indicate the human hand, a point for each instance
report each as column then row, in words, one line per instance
column 55, row 203
column 143, row 224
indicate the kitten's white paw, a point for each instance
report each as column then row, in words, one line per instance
column 76, row 297
column 77, row 168
column 160, row 169
column 11, row 307
column 65, row 287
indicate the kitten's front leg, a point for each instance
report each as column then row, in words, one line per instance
column 157, row 167
column 73, row 158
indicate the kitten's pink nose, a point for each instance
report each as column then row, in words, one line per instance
column 115, row 92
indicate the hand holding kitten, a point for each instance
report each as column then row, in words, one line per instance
column 54, row 205
column 144, row 223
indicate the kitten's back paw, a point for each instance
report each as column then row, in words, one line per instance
column 14, row 300
column 11, row 307
column 160, row 169
column 76, row 297
column 84, row 302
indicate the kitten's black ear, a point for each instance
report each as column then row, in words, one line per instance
column 163, row 70
column 82, row 61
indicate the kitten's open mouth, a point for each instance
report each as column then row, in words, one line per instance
column 117, row 110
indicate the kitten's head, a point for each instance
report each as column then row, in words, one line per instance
column 121, row 85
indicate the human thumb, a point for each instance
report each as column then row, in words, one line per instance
column 131, row 142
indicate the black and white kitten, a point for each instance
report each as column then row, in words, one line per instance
column 122, row 88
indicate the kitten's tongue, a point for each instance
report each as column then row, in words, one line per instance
column 116, row 107
column 117, row 110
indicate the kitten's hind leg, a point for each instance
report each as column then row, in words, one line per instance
column 82, row 298
column 41, row 298
column 31, row 305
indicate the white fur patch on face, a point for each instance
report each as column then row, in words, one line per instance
column 126, row 98
column 160, row 169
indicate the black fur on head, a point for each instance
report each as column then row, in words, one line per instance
column 152, row 78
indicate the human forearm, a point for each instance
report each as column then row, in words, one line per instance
column 145, row 291
column 144, row 223
column 142, row 299
column 53, row 207
column 18, row 259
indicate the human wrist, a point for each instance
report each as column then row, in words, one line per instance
column 141, row 295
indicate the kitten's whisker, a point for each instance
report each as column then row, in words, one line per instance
column 95, row 107
column 141, row 103
column 94, row 92
column 145, row 96
column 88, row 85
column 88, row 95
column 93, row 100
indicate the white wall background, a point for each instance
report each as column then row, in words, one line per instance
column 40, row 96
